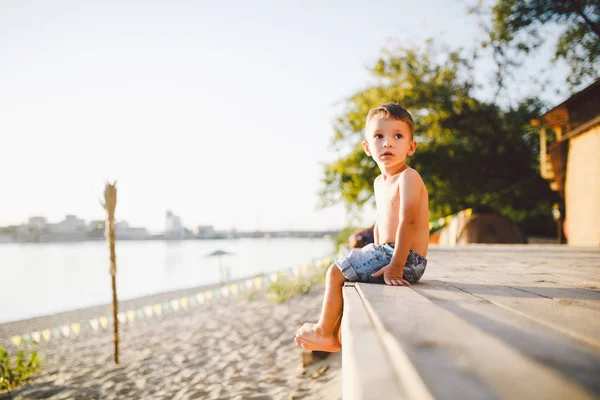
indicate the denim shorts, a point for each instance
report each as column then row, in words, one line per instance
column 361, row 263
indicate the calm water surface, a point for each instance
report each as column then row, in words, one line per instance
column 41, row 279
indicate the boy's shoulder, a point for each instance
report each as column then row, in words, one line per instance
column 411, row 173
column 410, row 177
column 408, row 174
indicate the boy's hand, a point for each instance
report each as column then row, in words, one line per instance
column 392, row 275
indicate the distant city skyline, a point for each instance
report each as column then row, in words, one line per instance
column 39, row 229
column 173, row 223
column 219, row 111
column 160, row 228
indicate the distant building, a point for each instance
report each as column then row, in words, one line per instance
column 173, row 227
column 37, row 223
column 6, row 238
column 35, row 230
column 95, row 228
column 124, row 231
column 205, row 231
column 570, row 160
column 71, row 228
column 233, row 233
column 70, row 225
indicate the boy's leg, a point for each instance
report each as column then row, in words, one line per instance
column 337, row 332
column 323, row 335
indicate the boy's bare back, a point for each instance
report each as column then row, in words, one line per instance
column 392, row 192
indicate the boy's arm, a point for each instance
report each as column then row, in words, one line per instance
column 410, row 195
column 375, row 230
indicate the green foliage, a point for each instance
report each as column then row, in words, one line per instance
column 12, row 376
column 469, row 153
column 252, row 295
column 286, row 288
column 343, row 237
column 319, row 274
column 427, row 86
column 516, row 25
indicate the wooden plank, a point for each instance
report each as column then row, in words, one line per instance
column 586, row 259
column 457, row 359
column 586, row 268
column 569, row 317
column 533, row 280
column 374, row 365
column 567, row 276
column 519, row 277
column 536, row 284
column 574, row 361
column 494, row 249
column 367, row 370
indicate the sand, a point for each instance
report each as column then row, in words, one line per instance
column 233, row 348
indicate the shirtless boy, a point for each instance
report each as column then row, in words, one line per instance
column 397, row 257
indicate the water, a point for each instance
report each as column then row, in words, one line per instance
column 42, row 279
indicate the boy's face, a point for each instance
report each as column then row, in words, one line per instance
column 388, row 141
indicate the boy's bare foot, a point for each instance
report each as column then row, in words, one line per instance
column 311, row 337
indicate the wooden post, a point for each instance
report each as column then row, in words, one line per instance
column 110, row 203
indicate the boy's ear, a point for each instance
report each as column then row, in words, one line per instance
column 412, row 147
column 366, row 147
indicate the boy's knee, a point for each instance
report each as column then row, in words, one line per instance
column 334, row 272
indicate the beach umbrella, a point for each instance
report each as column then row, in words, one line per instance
column 223, row 274
column 218, row 253
column 110, row 204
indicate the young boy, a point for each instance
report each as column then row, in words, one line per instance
column 401, row 231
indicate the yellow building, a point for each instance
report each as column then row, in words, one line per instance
column 570, row 160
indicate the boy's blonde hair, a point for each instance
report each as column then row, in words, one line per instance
column 395, row 111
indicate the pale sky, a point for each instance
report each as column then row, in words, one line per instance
column 220, row 111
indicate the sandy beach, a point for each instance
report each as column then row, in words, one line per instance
column 229, row 348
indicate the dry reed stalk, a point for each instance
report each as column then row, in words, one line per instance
column 110, row 204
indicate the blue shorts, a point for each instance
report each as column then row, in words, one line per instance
column 361, row 263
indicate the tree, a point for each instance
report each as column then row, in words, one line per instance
column 516, row 28
column 470, row 153
column 110, row 204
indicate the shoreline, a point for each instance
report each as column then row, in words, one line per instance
column 39, row 323
column 253, row 235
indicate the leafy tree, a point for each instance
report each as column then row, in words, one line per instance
column 469, row 152
column 516, row 27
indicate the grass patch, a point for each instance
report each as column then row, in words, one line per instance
column 252, row 295
column 320, row 274
column 286, row 288
column 19, row 373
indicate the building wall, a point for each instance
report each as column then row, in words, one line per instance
column 582, row 189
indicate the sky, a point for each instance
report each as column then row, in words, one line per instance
column 219, row 111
